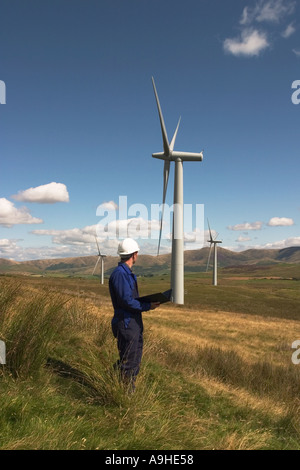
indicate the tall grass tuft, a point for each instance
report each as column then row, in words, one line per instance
column 8, row 293
column 29, row 324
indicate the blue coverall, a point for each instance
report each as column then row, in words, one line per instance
column 127, row 323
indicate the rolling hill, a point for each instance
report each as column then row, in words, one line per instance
column 195, row 261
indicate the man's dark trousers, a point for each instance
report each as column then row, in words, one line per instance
column 130, row 346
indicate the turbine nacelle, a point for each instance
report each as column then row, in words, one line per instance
column 183, row 156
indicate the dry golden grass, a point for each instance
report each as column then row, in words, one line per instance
column 255, row 339
column 225, row 378
column 252, row 337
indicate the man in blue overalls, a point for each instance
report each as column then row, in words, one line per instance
column 127, row 323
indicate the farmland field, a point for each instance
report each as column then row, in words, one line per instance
column 217, row 373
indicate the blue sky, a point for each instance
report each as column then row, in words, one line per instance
column 80, row 123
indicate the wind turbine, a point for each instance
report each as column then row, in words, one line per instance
column 213, row 243
column 102, row 263
column 169, row 155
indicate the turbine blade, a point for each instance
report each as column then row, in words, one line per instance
column 162, row 123
column 166, row 179
column 174, row 136
column 210, row 235
column 98, row 246
column 96, row 266
column 208, row 257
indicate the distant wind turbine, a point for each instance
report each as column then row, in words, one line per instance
column 169, row 155
column 100, row 257
column 213, row 243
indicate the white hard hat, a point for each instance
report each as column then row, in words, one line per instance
column 128, row 246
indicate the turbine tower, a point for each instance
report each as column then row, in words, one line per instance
column 213, row 243
column 169, row 155
column 100, row 257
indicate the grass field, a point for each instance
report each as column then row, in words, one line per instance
column 216, row 373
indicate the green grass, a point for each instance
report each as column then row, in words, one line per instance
column 266, row 297
column 188, row 396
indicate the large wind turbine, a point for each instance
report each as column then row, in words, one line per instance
column 100, row 257
column 213, row 243
column 169, row 155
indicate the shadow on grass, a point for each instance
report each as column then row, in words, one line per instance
column 97, row 387
column 65, row 370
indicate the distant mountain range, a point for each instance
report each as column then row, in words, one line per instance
column 194, row 260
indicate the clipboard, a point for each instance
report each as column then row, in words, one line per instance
column 160, row 297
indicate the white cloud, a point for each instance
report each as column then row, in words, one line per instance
column 109, row 234
column 11, row 215
column 134, row 228
column 74, row 236
column 109, row 206
column 280, row 221
column 288, row 242
column 246, row 17
column 45, row 194
column 289, row 30
column 6, row 243
column 251, row 43
column 149, row 247
column 243, row 239
column 271, row 11
column 12, row 250
column 8, row 248
column 296, row 52
column 246, row 226
column 196, row 238
column 276, row 245
column 274, row 10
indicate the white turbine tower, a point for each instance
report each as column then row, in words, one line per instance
column 100, row 257
column 169, row 155
column 213, row 243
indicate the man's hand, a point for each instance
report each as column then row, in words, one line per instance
column 154, row 305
